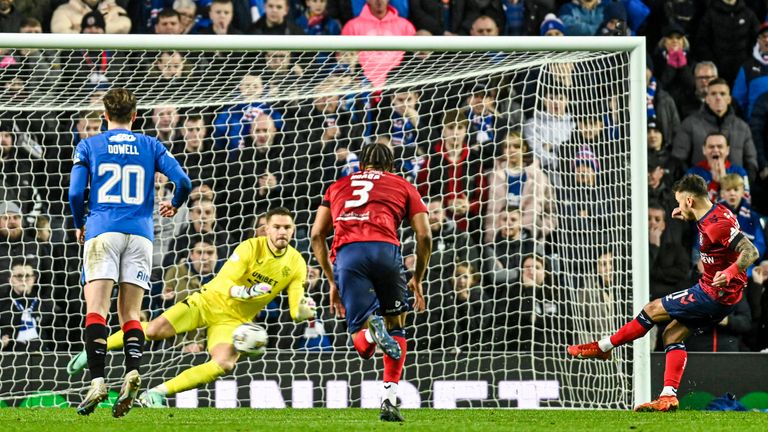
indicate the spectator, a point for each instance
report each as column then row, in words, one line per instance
column 93, row 23
column 716, row 165
column 435, row 16
column 516, row 181
column 715, row 116
column 234, row 121
column 725, row 34
column 660, row 106
column 454, row 173
column 316, row 21
column 221, row 14
column 461, row 313
column 198, row 158
column 733, row 194
column 165, row 228
column 403, row 121
column 378, row 18
column 188, row 276
column 10, row 18
column 552, row 26
column 449, row 246
column 275, row 20
column 614, row 21
column 663, row 170
column 757, row 124
column 37, row 10
column 68, row 17
column 40, row 65
column 26, row 315
column 484, row 26
column 673, row 67
column 582, row 17
column 164, row 127
column 202, row 221
column 727, row 335
column 469, row 13
column 18, row 181
column 550, row 126
column 703, row 73
column 17, row 243
column 752, row 78
column 526, row 18
column 511, row 242
column 596, row 299
column 483, row 118
column 168, row 22
column 282, row 75
column 190, row 20
column 668, row 260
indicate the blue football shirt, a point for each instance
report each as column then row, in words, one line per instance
column 121, row 166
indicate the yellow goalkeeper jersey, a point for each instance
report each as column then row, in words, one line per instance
column 253, row 262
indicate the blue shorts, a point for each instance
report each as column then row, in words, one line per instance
column 695, row 309
column 370, row 277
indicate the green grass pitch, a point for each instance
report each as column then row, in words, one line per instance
column 325, row 420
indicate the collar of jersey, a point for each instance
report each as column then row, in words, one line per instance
column 711, row 209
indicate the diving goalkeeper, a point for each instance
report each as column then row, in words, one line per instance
column 258, row 270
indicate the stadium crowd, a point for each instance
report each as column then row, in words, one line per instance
column 523, row 172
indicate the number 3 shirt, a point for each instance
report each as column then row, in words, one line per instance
column 368, row 206
column 121, row 170
column 719, row 232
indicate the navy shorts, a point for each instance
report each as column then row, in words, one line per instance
column 695, row 309
column 370, row 277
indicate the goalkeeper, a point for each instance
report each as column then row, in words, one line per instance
column 258, row 270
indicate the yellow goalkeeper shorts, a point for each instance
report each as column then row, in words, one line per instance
column 194, row 312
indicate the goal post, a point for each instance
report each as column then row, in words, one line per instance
column 578, row 103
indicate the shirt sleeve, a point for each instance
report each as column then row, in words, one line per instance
column 237, row 264
column 168, row 165
column 82, row 155
column 725, row 231
column 326, row 198
column 296, row 287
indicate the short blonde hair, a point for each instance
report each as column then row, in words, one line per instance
column 732, row 181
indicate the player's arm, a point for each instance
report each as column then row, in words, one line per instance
column 169, row 166
column 234, row 269
column 420, row 226
column 320, row 230
column 748, row 254
column 301, row 307
column 78, row 183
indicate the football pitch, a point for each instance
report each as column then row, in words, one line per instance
column 324, row 420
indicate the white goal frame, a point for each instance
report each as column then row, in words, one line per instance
column 635, row 46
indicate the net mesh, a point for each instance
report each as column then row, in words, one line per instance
column 523, row 158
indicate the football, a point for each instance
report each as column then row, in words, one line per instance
column 250, row 338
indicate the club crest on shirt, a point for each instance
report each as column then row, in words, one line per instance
column 286, row 271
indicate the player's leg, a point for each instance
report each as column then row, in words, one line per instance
column 676, row 357
column 392, row 293
column 128, row 310
column 653, row 312
column 223, row 361
column 97, row 298
column 359, row 299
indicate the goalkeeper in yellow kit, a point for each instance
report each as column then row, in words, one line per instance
column 259, row 270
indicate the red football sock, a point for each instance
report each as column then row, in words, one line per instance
column 394, row 368
column 363, row 347
column 677, row 356
column 631, row 331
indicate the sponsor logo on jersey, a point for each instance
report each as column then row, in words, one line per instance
column 265, row 279
column 122, row 138
column 706, row 259
column 354, row 216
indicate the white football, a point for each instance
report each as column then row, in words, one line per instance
column 249, row 337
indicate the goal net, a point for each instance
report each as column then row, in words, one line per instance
column 524, row 157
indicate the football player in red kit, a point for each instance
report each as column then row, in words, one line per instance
column 367, row 278
column 726, row 253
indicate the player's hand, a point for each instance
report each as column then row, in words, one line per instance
column 418, row 297
column 677, row 213
column 723, row 278
column 307, row 309
column 337, row 307
column 654, row 236
column 166, row 209
column 80, row 235
column 758, row 275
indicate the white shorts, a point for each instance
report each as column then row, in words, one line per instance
column 120, row 257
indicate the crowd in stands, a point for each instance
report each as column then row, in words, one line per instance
column 524, row 172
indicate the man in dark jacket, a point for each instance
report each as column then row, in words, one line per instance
column 10, row 18
column 275, row 20
column 669, row 261
column 716, row 116
column 725, row 35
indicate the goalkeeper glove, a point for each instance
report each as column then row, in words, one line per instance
column 243, row 292
column 307, row 309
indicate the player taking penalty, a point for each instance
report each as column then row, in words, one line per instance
column 119, row 166
column 258, row 270
column 367, row 279
column 725, row 253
